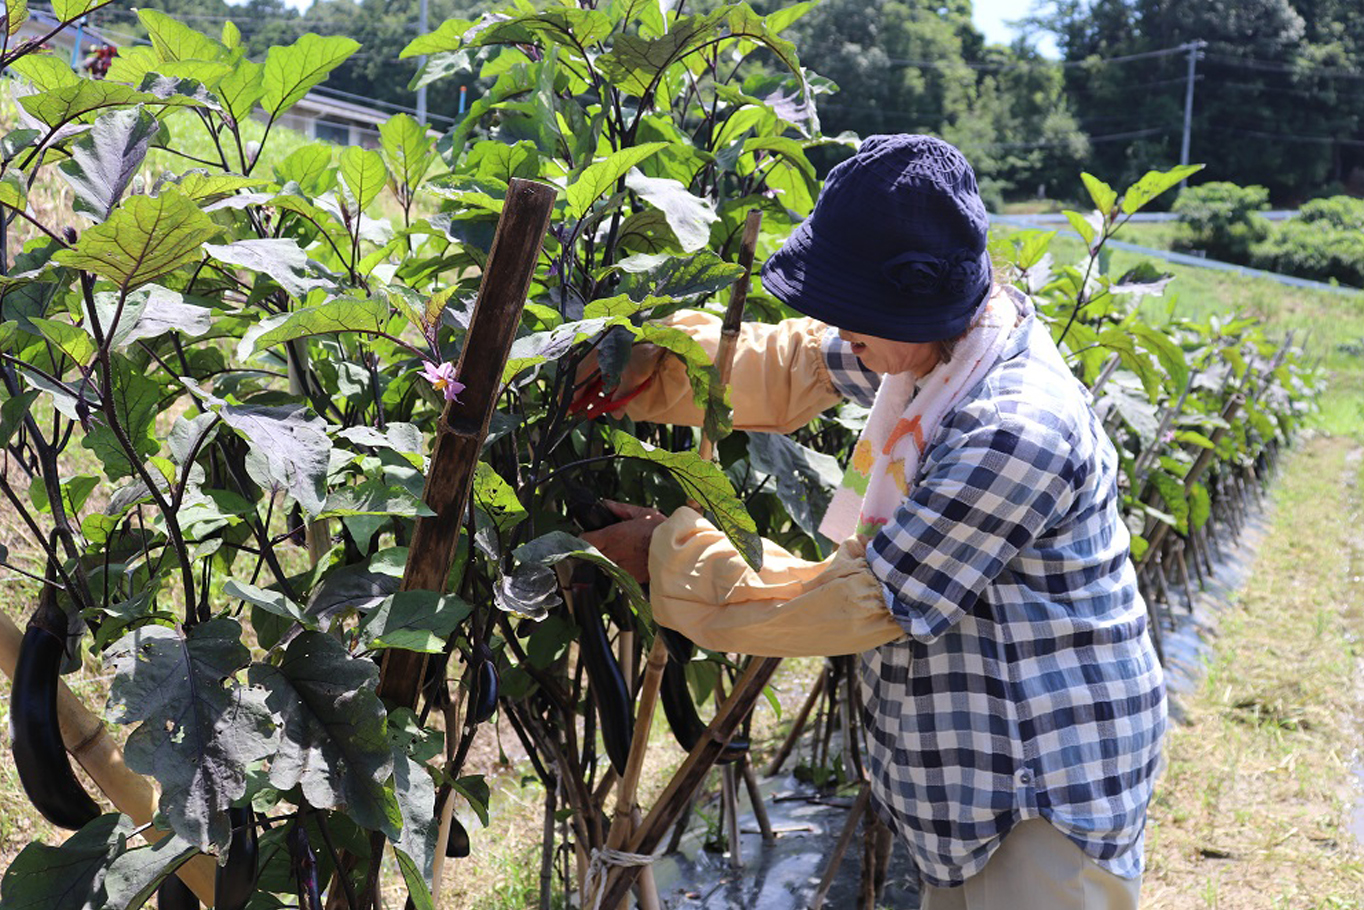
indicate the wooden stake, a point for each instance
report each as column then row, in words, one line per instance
column 798, row 725
column 755, row 797
column 859, row 808
column 464, row 424
column 692, row 772
column 658, row 652
column 729, row 803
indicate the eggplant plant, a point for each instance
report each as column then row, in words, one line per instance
column 218, row 383
column 203, row 365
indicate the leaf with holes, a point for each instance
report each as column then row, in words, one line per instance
column 198, row 730
column 333, row 735
column 288, row 449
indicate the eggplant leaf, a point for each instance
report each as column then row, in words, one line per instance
column 292, row 71
column 104, row 160
column 333, row 730
column 705, row 483
column 413, row 621
column 69, row 877
column 145, row 238
column 198, row 731
column 343, row 315
column 288, row 450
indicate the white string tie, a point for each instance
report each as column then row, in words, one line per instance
column 595, row 881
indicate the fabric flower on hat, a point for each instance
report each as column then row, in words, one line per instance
column 916, row 273
column 442, row 379
column 960, row 276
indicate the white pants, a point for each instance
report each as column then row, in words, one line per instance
column 1037, row 868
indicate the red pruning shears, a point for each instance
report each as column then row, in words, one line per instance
column 592, row 401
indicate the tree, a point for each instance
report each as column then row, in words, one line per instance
column 1277, row 102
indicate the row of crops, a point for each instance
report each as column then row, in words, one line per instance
column 219, row 384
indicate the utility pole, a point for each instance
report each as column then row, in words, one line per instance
column 421, row 62
column 1194, row 48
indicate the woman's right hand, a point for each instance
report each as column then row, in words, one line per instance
column 643, row 363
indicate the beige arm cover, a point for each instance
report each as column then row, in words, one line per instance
column 701, row 586
column 779, row 381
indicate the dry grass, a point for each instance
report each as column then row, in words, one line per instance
column 1252, row 810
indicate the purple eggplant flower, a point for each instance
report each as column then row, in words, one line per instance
column 442, row 379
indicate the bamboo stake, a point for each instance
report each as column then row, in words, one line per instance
column 844, row 840
column 683, row 786
column 755, row 796
column 797, row 726
column 658, row 652
column 730, row 804
column 1183, row 565
column 464, row 424
column 90, row 745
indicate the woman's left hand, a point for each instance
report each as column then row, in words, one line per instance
column 626, row 543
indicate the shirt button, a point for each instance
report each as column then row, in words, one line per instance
column 1024, row 777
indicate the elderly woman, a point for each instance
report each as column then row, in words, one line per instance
column 1014, row 704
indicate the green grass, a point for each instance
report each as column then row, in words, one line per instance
column 1158, row 235
column 1251, row 808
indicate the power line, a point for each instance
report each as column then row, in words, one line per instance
column 1276, row 66
column 339, row 93
column 1278, row 90
column 1112, row 137
column 1287, row 137
column 1038, row 64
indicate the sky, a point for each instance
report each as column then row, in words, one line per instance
column 990, row 17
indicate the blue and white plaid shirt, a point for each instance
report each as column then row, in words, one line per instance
column 1026, row 685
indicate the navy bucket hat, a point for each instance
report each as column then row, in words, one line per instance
column 895, row 247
